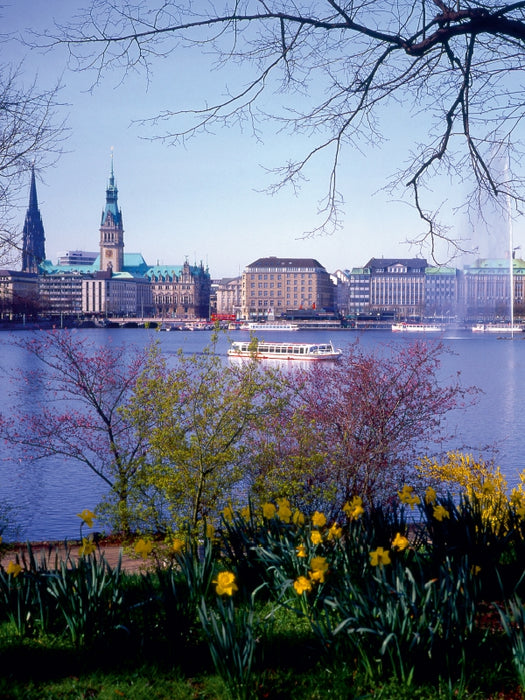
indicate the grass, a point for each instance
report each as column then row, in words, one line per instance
column 290, row 665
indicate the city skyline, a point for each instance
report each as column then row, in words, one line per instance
column 205, row 202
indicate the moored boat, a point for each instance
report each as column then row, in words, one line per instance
column 285, row 351
column 265, row 326
column 416, row 327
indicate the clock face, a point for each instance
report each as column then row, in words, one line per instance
column 109, row 253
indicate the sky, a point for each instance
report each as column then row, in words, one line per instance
column 205, row 201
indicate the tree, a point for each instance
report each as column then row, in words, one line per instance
column 80, row 419
column 358, row 427
column 196, row 417
column 452, row 68
column 30, row 135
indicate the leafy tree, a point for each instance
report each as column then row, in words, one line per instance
column 336, row 71
column 196, row 417
column 84, row 386
column 357, row 427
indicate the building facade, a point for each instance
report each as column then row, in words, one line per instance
column 273, row 287
column 180, row 291
column 19, row 294
column 228, row 297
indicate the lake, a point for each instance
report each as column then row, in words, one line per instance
column 46, row 495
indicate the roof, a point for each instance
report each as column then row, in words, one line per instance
column 284, row 263
column 134, row 264
column 410, row 263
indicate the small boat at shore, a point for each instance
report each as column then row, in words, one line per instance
column 265, row 326
column 416, row 327
column 309, row 352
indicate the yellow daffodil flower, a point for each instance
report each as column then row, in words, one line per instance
column 335, row 532
column 400, row 542
column 210, row 531
column 301, row 550
column 298, row 518
column 87, row 516
column 441, row 512
column 319, row 564
column 269, row 511
column 225, row 583
column 13, row 569
column 302, row 585
column 354, row 509
column 144, row 548
column 177, row 545
column 87, row 547
column 318, row 519
column 380, row 557
column 408, row 497
column 430, row 496
column 227, row 514
column 284, row 513
column 316, row 537
column 245, row 512
column 316, row 576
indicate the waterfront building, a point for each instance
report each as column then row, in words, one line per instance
column 486, row 288
column 397, row 285
column 76, row 257
column 228, row 297
column 33, row 238
column 180, row 291
column 441, row 292
column 19, row 294
column 275, row 287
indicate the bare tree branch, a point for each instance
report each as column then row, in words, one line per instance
column 457, row 69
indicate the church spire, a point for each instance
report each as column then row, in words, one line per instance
column 33, row 244
column 111, row 229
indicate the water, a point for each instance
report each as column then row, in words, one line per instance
column 47, row 495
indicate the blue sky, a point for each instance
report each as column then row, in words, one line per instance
column 203, row 201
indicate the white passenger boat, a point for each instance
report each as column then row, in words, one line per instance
column 416, row 327
column 496, row 328
column 285, row 351
column 254, row 326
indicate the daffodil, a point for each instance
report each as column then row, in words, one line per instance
column 87, row 516
column 318, row 519
column 354, row 509
column 245, row 512
column 225, row 583
column 227, row 514
column 335, row 532
column 319, row 564
column 379, row 557
column 13, row 569
column 302, row 585
column 316, row 537
column 301, row 551
column 316, row 576
column 144, row 548
column 284, row 513
column 430, row 496
column 441, row 512
column 210, row 531
column 408, row 497
column 87, row 547
column 269, row 511
column 400, row 542
column 298, row 518
column 177, row 545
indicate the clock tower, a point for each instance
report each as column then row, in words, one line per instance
column 111, row 230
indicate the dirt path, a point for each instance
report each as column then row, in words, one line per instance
column 111, row 552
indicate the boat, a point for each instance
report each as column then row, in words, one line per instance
column 285, row 351
column 416, row 327
column 264, row 326
column 496, row 328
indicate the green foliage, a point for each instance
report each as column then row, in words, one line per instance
column 194, row 417
column 88, row 597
